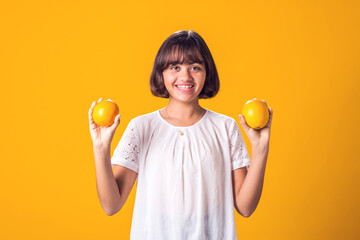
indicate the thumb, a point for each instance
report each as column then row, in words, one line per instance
column 243, row 122
column 116, row 121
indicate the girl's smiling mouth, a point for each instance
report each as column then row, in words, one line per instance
column 185, row 87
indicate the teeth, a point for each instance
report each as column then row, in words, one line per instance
column 184, row 87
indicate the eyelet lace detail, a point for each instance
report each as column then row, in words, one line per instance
column 128, row 148
column 238, row 149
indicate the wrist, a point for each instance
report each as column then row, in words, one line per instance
column 259, row 148
column 101, row 147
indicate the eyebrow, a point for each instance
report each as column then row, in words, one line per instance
column 176, row 62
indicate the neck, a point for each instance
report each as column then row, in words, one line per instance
column 185, row 111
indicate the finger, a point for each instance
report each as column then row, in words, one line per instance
column 91, row 110
column 110, row 100
column 270, row 114
column 270, row 117
column 92, row 107
column 116, row 122
column 92, row 123
column 100, row 99
column 264, row 101
column 243, row 123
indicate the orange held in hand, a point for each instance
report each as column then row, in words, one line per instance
column 256, row 114
column 105, row 112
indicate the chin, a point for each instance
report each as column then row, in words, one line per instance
column 186, row 99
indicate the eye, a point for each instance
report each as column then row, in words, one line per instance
column 173, row 67
column 197, row 68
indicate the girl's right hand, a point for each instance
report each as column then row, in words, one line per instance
column 102, row 136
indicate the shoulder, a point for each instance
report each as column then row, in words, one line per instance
column 221, row 119
column 145, row 120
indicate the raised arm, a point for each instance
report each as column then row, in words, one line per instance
column 249, row 189
column 113, row 188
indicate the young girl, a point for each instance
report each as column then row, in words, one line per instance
column 191, row 164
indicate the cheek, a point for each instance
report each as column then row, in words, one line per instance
column 168, row 83
column 202, row 82
column 166, row 80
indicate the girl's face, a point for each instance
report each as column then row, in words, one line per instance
column 185, row 81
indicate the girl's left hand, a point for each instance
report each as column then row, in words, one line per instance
column 258, row 137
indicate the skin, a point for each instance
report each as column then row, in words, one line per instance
column 183, row 108
column 248, row 185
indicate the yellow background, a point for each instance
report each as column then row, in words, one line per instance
column 56, row 57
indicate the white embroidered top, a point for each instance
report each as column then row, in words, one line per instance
column 184, row 187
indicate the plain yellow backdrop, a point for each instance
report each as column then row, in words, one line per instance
column 56, row 57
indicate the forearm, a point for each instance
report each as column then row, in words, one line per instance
column 250, row 191
column 107, row 188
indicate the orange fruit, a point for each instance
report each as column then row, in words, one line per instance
column 256, row 114
column 104, row 113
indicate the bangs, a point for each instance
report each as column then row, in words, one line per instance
column 178, row 54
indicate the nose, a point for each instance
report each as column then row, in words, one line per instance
column 185, row 75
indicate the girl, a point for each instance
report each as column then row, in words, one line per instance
column 191, row 164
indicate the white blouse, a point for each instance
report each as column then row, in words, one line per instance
column 184, row 187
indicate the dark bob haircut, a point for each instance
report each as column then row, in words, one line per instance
column 188, row 45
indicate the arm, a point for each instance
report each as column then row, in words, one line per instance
column 112, row 191
column 248, row 194
column 249, row 185
column 113, row 188
column 107, row 188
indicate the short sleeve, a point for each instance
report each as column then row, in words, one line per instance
column 239, row 154
column 127, row 151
